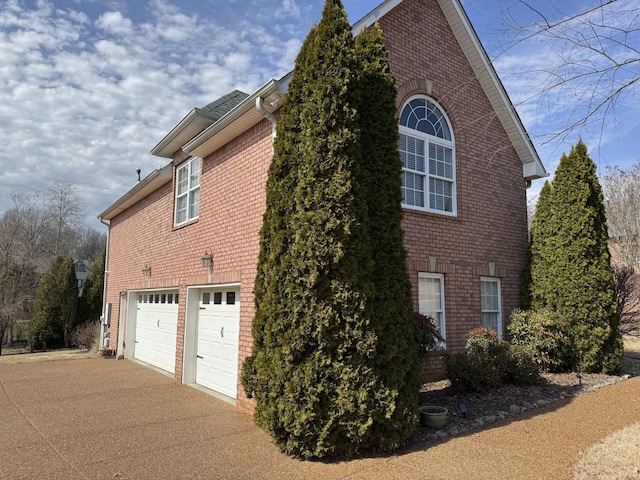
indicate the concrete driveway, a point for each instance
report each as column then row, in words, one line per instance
column 96, row 418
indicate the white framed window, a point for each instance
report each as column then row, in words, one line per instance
column 431, row 299
column 491, row 304
column 187, row 191
column 427, row 151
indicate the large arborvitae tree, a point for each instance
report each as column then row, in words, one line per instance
column 315, row 371
column 396, row 361
column 537, row 264
column 576, row 278
column 54, row 309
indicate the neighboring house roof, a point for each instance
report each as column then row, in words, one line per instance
column 82, row 273
column 82, row 269
column 204, row 130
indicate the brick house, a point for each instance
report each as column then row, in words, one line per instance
column 183, row 243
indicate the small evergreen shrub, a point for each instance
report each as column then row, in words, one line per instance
column 547, row 334
column 482, row 365
column 522, row 367
column 471, row 372
column 489, row 362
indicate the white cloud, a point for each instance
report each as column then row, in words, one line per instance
column 114, row 22
column 83, row 101
column 289, row 7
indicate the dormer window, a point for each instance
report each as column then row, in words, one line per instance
column 427, row 151
column 187, row 191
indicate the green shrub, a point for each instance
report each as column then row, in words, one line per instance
column 471, row 372
column 333, row 368
column 547, row 334
column 522, row 367
column 483, row 364
column 485, row 340
column 489, row 362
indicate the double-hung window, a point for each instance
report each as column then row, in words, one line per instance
column 490, row 299
column 187, row 191
column 431, row 298
column 428, row 158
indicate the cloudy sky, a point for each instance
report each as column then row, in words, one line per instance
column 88, row 87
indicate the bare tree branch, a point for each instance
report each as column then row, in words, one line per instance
column 588, row 61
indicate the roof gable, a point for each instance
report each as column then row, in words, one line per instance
column 484, row 71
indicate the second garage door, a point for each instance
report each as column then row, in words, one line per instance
column 218, row 334
column 156, row 329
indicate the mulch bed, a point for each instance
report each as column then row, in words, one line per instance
column 475, row 411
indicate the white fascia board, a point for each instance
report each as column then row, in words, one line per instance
column 242, row 117
column 492, row 85
column 190, row 126
column 373, row 16
column 145, row 187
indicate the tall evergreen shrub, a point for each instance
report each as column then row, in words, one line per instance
column 395, row 361
column 90, row 307
column 54, row 308
column 312, row 370
column 575, row 276
column 537, row 263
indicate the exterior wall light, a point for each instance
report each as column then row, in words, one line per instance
column 207, row 261
column 146, row 271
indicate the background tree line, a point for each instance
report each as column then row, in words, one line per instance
column 42, row 231
column 621, row 190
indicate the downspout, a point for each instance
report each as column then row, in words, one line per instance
column 267, row 114
column 103, row 318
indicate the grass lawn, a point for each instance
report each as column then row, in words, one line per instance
column 617, row 456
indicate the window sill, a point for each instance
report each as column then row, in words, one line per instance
column 424, row 210
column 185, row 224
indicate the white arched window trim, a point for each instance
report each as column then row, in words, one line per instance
column 428, row 154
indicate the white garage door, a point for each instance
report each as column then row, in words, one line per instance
column 156, row 329
column 218, row 334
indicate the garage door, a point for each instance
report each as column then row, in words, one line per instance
column 218, row 334
column 156, row 328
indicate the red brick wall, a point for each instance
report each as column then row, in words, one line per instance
column 232, row 197
column 490, row 225
column 491, row 221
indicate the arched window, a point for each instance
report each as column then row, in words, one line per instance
column 427, row 151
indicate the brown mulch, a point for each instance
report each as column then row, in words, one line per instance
column 469, row 412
